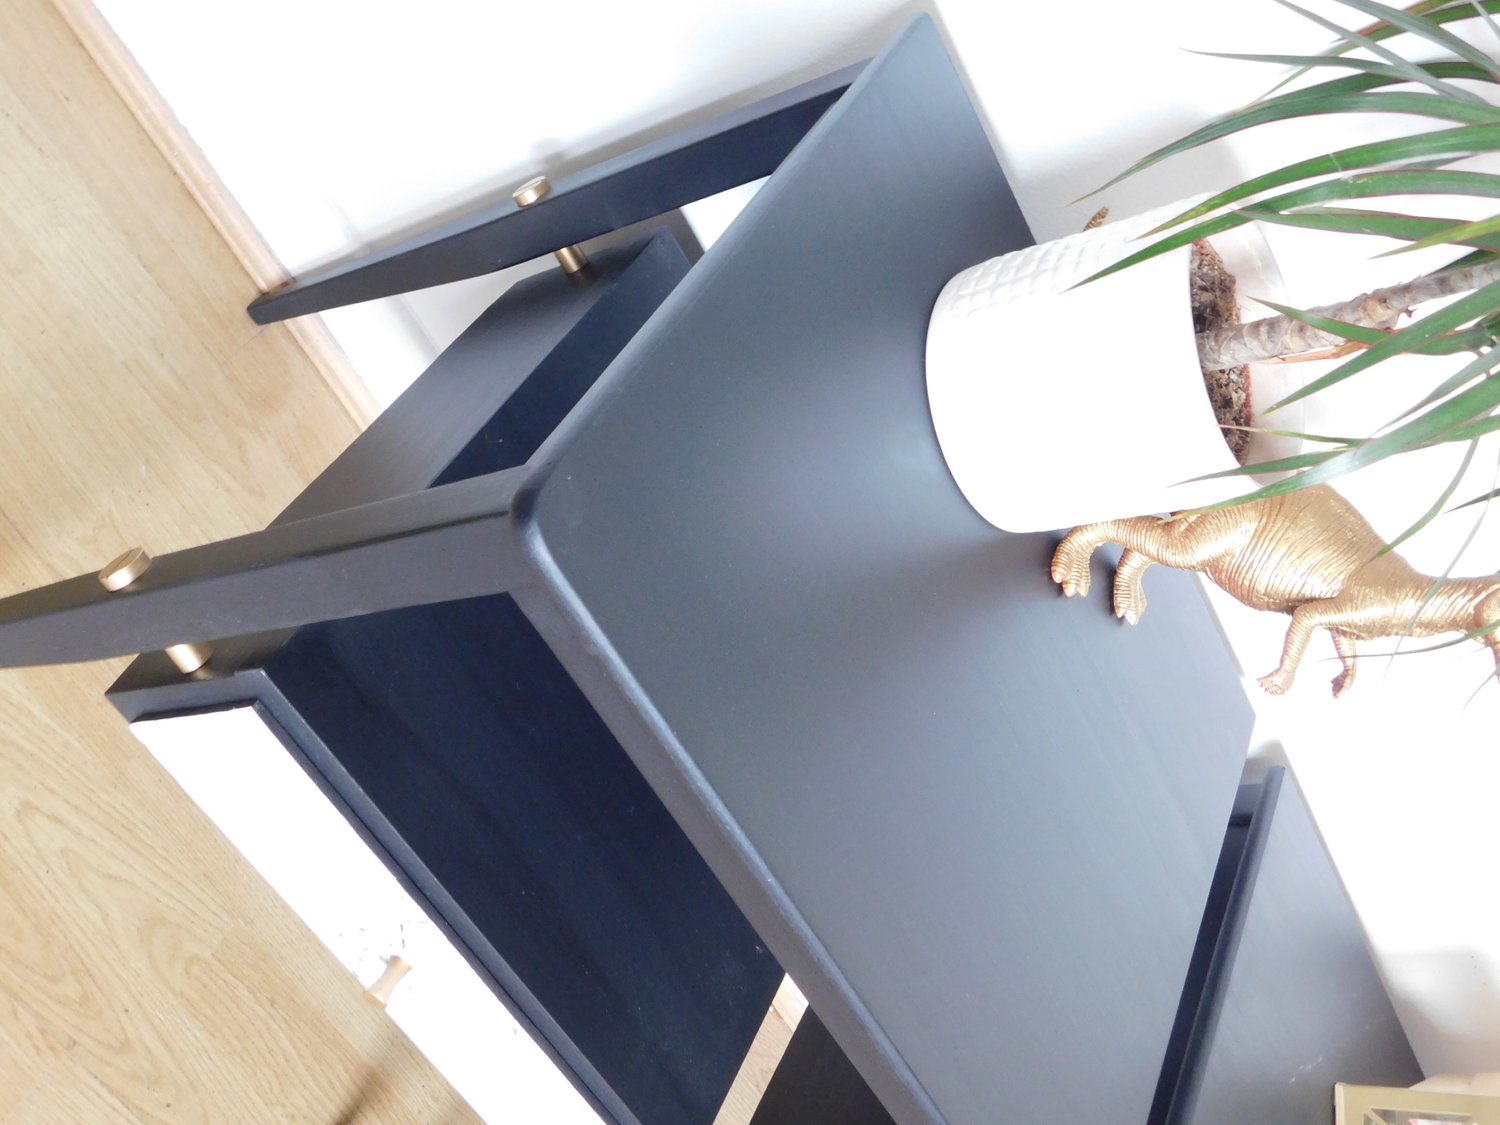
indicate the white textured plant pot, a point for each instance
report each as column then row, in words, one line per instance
column 1057, row 406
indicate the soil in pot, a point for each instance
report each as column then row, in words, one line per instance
column 1214, row 303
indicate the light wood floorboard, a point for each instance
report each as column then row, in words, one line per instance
column 146, row 972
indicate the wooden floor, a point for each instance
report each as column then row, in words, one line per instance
column 146, row 973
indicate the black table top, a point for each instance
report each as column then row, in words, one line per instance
column 1300, row 1004
column 976, row 822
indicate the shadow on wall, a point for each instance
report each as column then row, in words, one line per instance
column 1448, row 999
column 1460, row 1006
column 560, row 158
column 1265, row 755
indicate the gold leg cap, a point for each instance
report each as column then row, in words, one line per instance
column 121, row 572
column 188, row 657
column 532, row 190
column 572, row 258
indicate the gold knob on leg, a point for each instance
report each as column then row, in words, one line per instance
column 537, row 188
column 572, row 258
column 121, row 572
column 532, row 190
column 188, row 657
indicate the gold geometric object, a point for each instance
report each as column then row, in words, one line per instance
column 1421, row 1105
column 124, row 570
column 531, row 191
column 1307, row 553
column 121, row 572
column 188, row 657
column 572, row 258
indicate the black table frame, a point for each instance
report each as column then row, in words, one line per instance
column 583, row 522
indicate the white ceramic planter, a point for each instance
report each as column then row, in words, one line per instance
column 1056, row 406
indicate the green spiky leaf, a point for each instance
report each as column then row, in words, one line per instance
column 1322, row 439
column 1436, row 510
column 1431, row 428
column 1479, row 366
column 1339, row 95
column 1279, row 465
column 1445, row 344
column 1459, row 234
column 1359, row 186
column 1488, row 496
column 1357, row 40
column 1417, row 229
column 1460, row 312
column 1465, row 140
column 1418, row 24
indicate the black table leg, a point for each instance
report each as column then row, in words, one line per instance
column 734, row 149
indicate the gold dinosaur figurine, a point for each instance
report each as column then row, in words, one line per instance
column 1308, row 553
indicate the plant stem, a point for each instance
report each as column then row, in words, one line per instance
column 1277, row 337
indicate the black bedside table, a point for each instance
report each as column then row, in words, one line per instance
column 656, row 587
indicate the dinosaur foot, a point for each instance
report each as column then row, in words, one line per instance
column 1070, row 569
column 1276, row 682
column 1130, row 601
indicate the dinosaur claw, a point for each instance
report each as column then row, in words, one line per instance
column 1130, row 602
column 1129, row 606
column 1069, row 571
column 1274, row 683
column 1073, row 585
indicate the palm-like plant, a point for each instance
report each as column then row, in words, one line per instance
column 1462, row 407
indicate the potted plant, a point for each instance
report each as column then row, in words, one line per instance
column 987, row 411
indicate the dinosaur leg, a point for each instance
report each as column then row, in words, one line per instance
column 1328, row 614
column 1189, row 543
column 1343, row 643
column 1070, row 562
column 1489, row 618
column 1130, row 598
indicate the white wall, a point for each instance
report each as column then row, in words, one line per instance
column 338, row 123
column 279, row 819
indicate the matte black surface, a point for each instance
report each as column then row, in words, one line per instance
column 482, row 406
column 1301, row 1004
column 486, row 405
column 455, row 541
column 506, row 382
column 469, row 756
column 977, row 822
column 815, row 1084
column 1203, row 992
column 735, row 149
column 465, row 757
